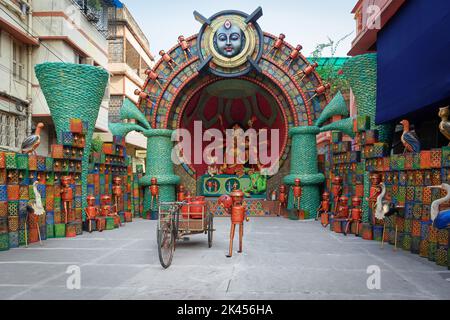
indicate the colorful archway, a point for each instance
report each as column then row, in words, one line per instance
column 231, row 45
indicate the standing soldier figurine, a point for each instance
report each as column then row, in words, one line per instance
column 277, row 45
column 152, row 75
column 294, row 55
column 181, row 193
column 66, row 196
column 336, row 190
column 375, row 191
column 282, row 198
column 343, row 211
column 237, row 218
column 307, row 71
column 168, row 59
column 297, row 189
column 355, row 215
column 91, row 212
column 324, row 209
column 185, row 46
column 117, row 193
column 154, row 190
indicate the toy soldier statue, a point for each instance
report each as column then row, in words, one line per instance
column 324, row 209
column 117, row 192
column 282, row 198
column 355, row 215
column 375, row 191
column 185, row 47
column 336, row 190
column 277, row 45
column 168, row 59
column 66, row 196
column 152, row 75
column 154, row 190
column 293, row 55
column 297, row 189
column 343, row 211
column 237, row 218
column 91, row 212
column 181, row 194
column 307, row 71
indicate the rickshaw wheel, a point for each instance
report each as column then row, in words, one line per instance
column 210, row 230
column 166, row 244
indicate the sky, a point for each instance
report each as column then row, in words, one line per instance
column 305, row 22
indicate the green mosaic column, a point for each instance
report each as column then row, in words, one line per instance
column 361, row 73
column 160, row 166
column 73, row 91
column 304, row 166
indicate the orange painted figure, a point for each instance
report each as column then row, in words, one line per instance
column 295, row 53
column 282, row 198
column 66, row 196
column 107, row 210
column 91, row 211
column 297, row 189
column 181, row 196
column 278, row 44
column 237, row 218
column 185, row 47
column 336, row 190
column 154, row 190
column 324, row 209
column 374, row 192
column 343, row 210
column 307, row 71
column 117, row 191
column 152, row 75
column 168, row 59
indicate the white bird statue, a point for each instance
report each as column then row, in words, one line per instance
column 35, row 207
column 383, row 209
column 382, row 206
column 441, row 219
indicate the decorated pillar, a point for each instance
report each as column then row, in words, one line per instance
column 160, row 166
column 73, row 91
column 305, row 167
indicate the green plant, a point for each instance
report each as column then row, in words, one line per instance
column 327, row 70
column 97, row 144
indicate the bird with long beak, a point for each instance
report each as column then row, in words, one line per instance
column 441, row 219
column 31, row 143
column 385, row 208
column 409, row 138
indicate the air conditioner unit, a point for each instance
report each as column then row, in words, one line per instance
column 90, row 61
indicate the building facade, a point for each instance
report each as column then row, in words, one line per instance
column 96, row 32
column 129, row 58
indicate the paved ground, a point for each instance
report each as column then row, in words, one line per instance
column 282, row 259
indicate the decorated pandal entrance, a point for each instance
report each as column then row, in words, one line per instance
column 232, row 75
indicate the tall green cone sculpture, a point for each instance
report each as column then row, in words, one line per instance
column 73, row 91
column 361, row 73
column 159, row 153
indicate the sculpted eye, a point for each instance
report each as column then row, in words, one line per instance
column 235, row 36
column 222, row 37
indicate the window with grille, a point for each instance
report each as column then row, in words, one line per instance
column 12, row 130
column 18, row 60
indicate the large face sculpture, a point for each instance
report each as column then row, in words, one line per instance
column 229, row 40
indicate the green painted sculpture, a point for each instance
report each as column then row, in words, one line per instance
column 73, row 91
column 159, row 152
column 258, row 183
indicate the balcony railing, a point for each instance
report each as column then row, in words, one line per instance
column 96, row 12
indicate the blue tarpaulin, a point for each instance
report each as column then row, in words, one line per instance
column 115, row 3
column 414, row 60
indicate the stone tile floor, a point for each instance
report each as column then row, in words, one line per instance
column 282, row 259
